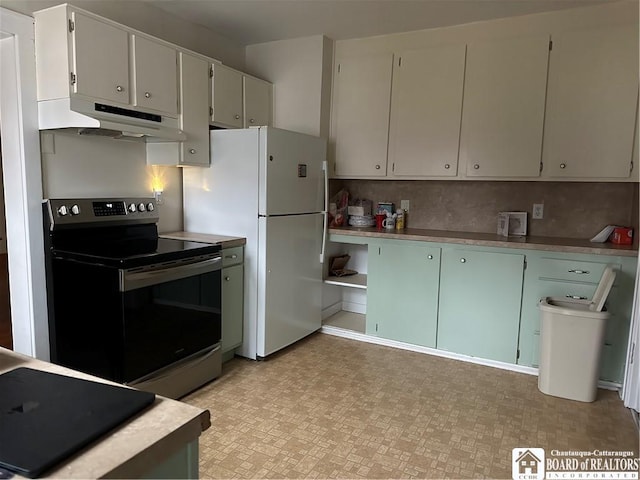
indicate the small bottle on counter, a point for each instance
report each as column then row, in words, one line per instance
column 400, row 219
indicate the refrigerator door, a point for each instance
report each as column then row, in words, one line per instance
column 289, row 280
column 291, row 172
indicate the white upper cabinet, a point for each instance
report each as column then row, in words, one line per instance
column 100, row 59
column 226, row 97
column 503, row 111
column 257, row 102
column 591, row 104
column 82, row 55
column 360, row 117
column 155, row 75
column 194, row 89
column 426, row 105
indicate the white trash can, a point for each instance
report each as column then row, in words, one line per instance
column 571, row 336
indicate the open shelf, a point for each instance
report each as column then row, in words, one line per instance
column 358, row 280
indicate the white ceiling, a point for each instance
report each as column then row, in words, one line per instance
column 256, row 21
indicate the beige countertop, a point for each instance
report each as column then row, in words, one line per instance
column 552, row 244
column 222, row 240
column 133, row 448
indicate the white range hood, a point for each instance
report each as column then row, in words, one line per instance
column 90, row 117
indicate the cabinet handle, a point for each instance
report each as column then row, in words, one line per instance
column 580, row 272
column 563, row 165
column 119, row 88
column 476, row 166
column 192, row 151
column 227, row 279
column 251, row 120
column 463, row 260
column 237, row 117
column 576, row 297
column 447, row 166
column 377, row 167
column 234, row 256
column 430, row 257
column 147, row 95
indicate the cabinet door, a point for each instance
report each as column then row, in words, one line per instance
column 257, row 102
column 97, row 74
column 402, row 293
column 503, row 112
column 155, row 75
column 194, row 87
column 591, row 104
column 232, row 306
column 480, row 296
column 360, row 122
column 226, row 97
column 426, row 105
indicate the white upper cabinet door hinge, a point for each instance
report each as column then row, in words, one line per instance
column 399, row 61
column 73, row 78
column 211, row 111
column 379, row 250
column 72, row 26
column 338, row 68
column 541, row 166
column 211, row 71
column 393, row 167
column 631, row 167
column 550, row 45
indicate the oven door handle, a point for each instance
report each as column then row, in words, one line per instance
column 133, row 280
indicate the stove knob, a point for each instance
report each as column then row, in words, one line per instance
column 150, row 207
column 132, row 208
column 63, row 211
column 141, row 207
column 75, row 210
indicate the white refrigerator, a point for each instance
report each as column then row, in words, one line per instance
column 268, row 185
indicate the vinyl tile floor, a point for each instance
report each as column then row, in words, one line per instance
column 330, row 407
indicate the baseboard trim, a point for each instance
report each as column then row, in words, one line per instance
column 362, row 337
column 354, row 307
column 331, row 310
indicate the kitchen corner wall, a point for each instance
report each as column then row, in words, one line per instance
column 573, row 210
column 301, row 71
column 89, row 166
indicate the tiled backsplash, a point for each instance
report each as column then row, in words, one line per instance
column 571, row 209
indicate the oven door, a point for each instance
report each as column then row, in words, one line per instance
column 171, row 312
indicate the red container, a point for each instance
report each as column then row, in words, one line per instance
column 622, row 236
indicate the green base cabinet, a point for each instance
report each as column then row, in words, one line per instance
column 232, row 298
column 480, row 295
column 564, row 275
column 402, row 292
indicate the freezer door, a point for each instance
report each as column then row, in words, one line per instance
column 291, row 174
column 289, row 280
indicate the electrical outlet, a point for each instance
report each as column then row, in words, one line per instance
column 404, row 205
column 538, row 211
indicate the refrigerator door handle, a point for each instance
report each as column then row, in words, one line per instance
column 326, row 209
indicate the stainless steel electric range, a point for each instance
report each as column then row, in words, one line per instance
column 127, row 305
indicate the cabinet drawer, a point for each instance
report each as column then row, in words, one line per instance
column 575, row 270
column 232, row 256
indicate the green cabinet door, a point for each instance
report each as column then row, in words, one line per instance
column 232, row 306
column 402, row 292
column 480, row 295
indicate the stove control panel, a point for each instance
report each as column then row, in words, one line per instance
column 117, row 211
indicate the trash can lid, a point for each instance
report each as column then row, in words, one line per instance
column 604, row 287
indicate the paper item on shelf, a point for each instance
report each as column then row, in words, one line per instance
column 604, row 234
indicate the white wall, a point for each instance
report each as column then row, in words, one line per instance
column 298, row 69
column 88, row 166
column 153, row 21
